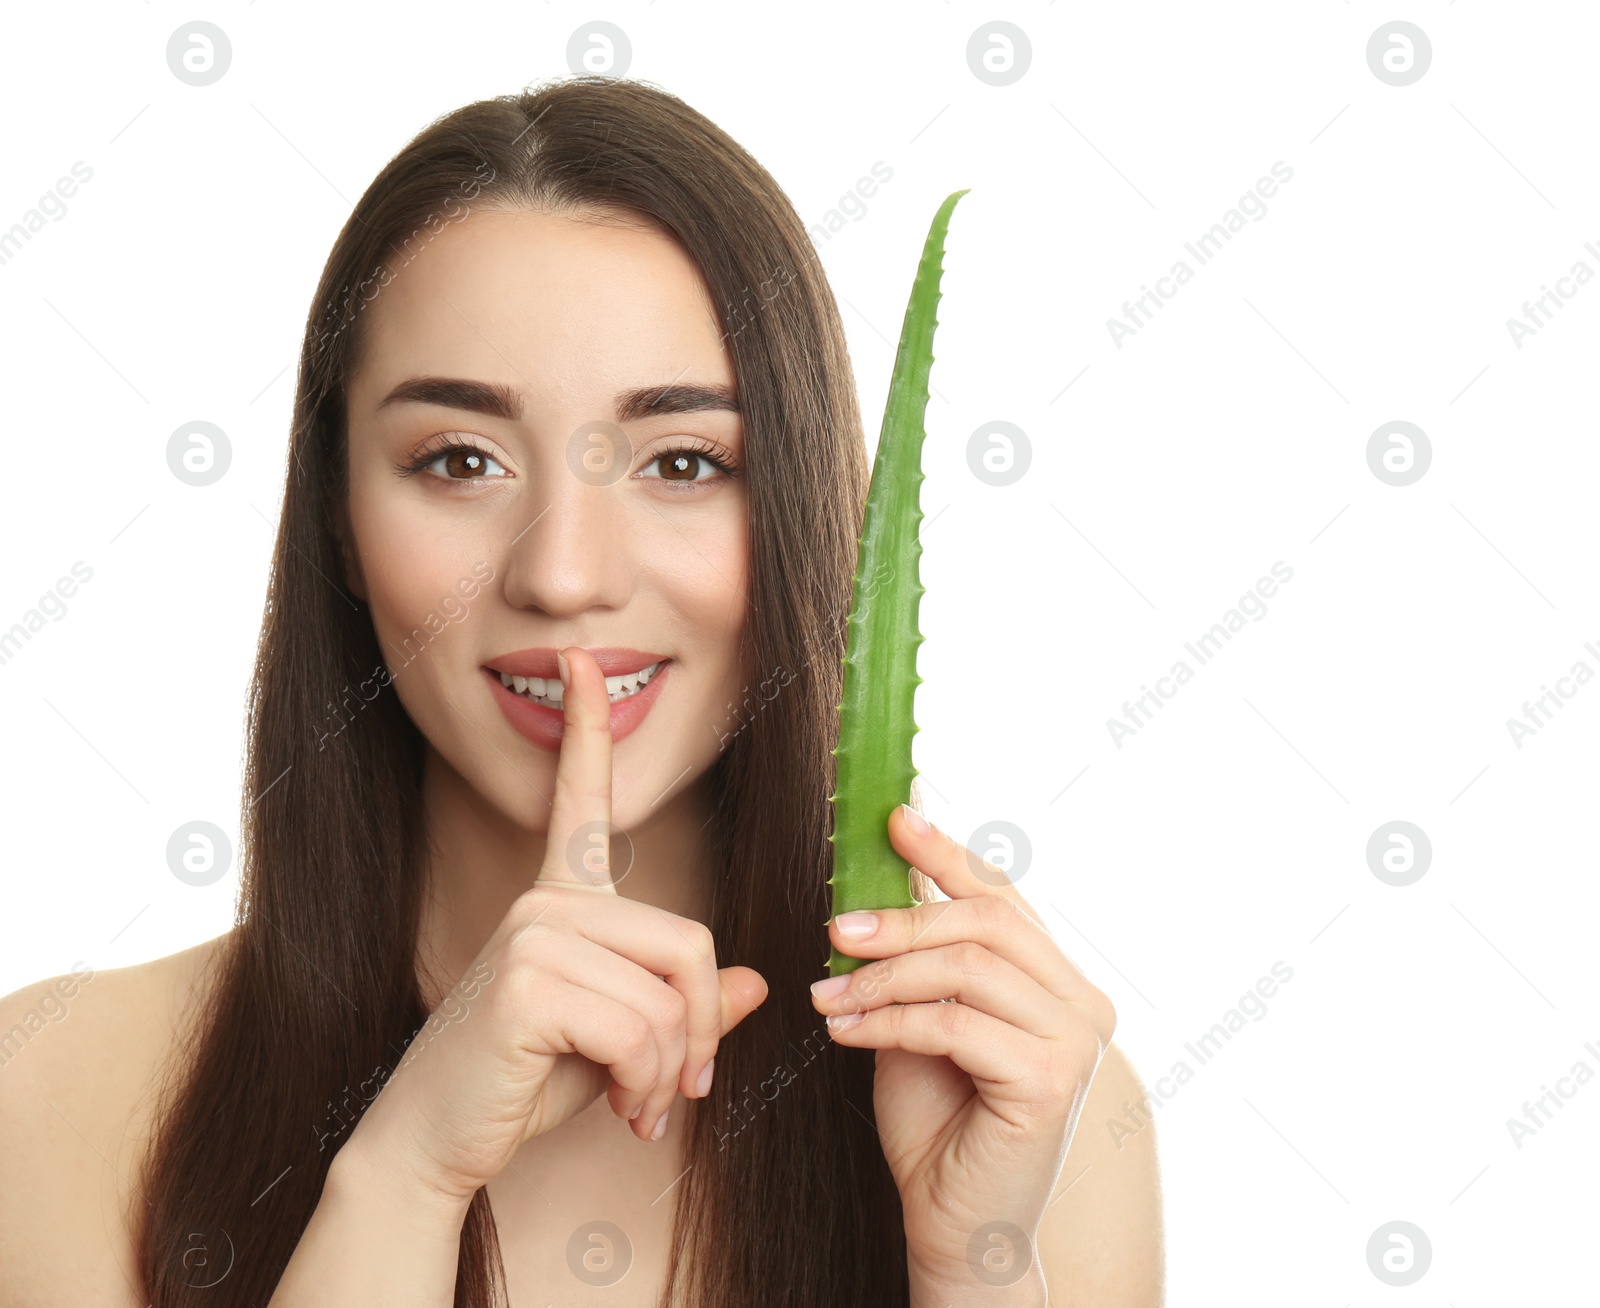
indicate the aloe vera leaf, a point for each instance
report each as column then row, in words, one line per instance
column 876, row 726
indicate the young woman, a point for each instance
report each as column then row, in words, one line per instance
column 520, row 999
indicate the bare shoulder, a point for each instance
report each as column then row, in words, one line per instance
column 83, row 1057
column 1101, row 1237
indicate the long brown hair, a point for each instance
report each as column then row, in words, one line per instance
column 315, row 994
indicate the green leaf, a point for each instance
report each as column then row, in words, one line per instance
column 874, row 769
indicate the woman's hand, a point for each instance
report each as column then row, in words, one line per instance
column 976, row 1098
column 578, row 991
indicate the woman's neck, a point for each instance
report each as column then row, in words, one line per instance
column 477, row 861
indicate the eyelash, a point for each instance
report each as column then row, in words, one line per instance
column 434, row 452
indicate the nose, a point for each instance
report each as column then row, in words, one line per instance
column 569, row 548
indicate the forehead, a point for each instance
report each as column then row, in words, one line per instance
column 548, row 301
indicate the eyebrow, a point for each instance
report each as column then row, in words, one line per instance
column 499, row 401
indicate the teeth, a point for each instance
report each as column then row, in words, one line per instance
column 549, row 692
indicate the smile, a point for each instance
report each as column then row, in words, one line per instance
column 548, row 691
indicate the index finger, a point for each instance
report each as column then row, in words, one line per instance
column 578, row 846
column 958, row 871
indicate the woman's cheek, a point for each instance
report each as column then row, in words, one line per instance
column 425, row 632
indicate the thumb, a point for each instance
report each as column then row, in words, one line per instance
column 743, row 991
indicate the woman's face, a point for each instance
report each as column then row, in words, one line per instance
column 535, row 435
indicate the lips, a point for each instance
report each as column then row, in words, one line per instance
column 546, row 726
column 614, row 661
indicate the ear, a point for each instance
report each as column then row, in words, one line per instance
column 354, row 578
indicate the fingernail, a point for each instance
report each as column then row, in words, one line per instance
column 703, row 1085
column 830, row 986
column 566, row 676
column 852, row 926
column 844, row 1021
column 661, row 1126
column 915, row 820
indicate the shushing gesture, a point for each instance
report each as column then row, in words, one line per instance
column 578, row 992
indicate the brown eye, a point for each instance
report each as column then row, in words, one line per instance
column 464, row 463
column 682, row 468
column 679, row 465
column 457, row 463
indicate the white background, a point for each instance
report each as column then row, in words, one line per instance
column 1166, row 477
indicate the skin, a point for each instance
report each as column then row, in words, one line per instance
column 645, row 561
column 639, row 560
column 567, row 313
column 989, row 1041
